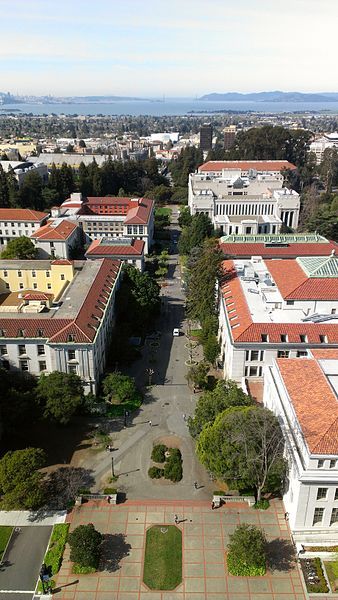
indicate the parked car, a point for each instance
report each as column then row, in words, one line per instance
column 176, row 332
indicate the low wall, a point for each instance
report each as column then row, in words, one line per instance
column 218, row 500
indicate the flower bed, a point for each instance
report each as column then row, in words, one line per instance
column 314, row 575
column 171, row 458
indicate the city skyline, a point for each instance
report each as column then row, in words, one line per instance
column 148, row 50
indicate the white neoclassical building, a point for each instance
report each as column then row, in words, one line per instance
column 244, row 197
column 303, row 394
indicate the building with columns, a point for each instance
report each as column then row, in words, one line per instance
column 303, row 394
column 57, row 316
column 244, row 197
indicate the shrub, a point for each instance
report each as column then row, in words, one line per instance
column 246, row 551
column 158, row 453
column 262, row 504
column 319, row 587
column 155, row 473
column 84, row 544
column 173, row 465
column 78, row 570
column 53, row 558
column 110, row 490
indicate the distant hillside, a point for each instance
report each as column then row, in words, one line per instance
column 272, row 97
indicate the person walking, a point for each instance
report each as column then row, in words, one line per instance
column 150, row 423
column 195, row 485
column 176, row 519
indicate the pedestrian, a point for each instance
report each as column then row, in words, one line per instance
column 212, row 505
column 176, row 519
column 286, row 516
column 195, row 485
column 150, row 423
column 184, row 417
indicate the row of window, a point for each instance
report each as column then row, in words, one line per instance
column 320, row 465
column 244, row 209
column 322, row 492
column 6, row 224
column 302, row 337
column 258, row 355
column 33, row 273
column 19, row 232
column 40, row 350
column 318, row 516
column 135, row 229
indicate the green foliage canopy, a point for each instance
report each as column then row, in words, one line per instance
column 247, row 551
column 85, row 544
column 60, row 395
column 21, row 248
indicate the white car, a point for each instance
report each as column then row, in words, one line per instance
column 176, row 332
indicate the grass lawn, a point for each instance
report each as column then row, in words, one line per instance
column 163, row 558
column 5, row 534
column 332, row 572
column 163, row 212
column 117, row 410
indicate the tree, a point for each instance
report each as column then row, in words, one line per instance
column 201, row 298
column 30, row 193
column 60, row 395
column 85, row 544
column 211, row 403
column 185, row 218
column 247, row 551
column 20, row 480
column 160, row 193
column 194, row 234
column 198, row 375
column 64, row 484
column 21, row 248
column 211, row 348
column 118, row 388
column 245, row 445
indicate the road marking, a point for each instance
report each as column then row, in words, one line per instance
column 17, row 591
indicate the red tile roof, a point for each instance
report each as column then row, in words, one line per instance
column 21, row 214
column 245, row 165
column 61, row 261
column 86, row 322
column 325, row 353
column 243, row 329
column 137, row 211
column 294, row 284
column 37, row 296
column 98, row 248
column 246, row 250
column 314, row 401
column 62, row 231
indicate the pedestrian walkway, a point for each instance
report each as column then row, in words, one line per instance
column 22, row 518
column 205, row 538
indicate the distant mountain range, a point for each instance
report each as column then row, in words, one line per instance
column 7, row 98
column 272, row 97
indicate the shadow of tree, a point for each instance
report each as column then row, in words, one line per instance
column 113, row 549
column 280, row 555
column 63, row 484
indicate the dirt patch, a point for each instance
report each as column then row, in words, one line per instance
column 172, row 441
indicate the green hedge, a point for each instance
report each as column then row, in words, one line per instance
column 117, row 410
column 173, row 465
column 54, row 554
column 155, row 473
column 262, row 504
column 158, row 453
column 242, row 570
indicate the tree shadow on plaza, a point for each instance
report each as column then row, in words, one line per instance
column 280, row 555
column 113, row 549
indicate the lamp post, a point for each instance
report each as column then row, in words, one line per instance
column 112, row 466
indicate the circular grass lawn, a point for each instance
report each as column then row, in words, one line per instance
column 163, row 557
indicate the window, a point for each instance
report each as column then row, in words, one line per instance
column 35, row 286
column 323, row 339
column 51, row 244
column 42, row 365
column 5, row 273
column 135, row 229
column 301, row 353
column 283, row 337
column 40, row 333
column 333, row 464
column 49, row 286
column 264, row 337
column 33, row 273
column 3, row 350
column 72, row 369
column 22, row 349
column 333, row 311
column 254, row 355
column 320, row 463
column 140, row 229
column 290, row 302
column 303, row 338
column 321, row 493
column 129, row 229
column 334, row 516
column 318, row 516
column 19, row 274
column 71, row 337
column 47, row 273
column 21, row 286
column 41, row 349
column 62, row 277
column 283, row 354
column 336, row 494
column 24, row 365
column 71, row 354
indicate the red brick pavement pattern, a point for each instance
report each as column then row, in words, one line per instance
column 205, row 536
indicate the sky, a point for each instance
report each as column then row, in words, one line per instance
column 150, row 48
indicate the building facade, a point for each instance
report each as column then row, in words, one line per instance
column 128, row 251
column 57, row 239
column 206, row 137
column 243, row 200
column 275, row 308
column 17, row 222
column 54, row 317
column 303, row 394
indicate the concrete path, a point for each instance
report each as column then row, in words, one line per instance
column 165, row 404
column 21, row 518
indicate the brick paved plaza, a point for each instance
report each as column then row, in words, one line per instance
column 205, row 536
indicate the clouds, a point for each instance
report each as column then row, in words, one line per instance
column 184, row 47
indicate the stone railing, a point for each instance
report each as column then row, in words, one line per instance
column 218, row 499
column 110, row 498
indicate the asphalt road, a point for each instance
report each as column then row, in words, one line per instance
column 21, row 564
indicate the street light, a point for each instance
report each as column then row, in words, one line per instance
column 112, row 466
